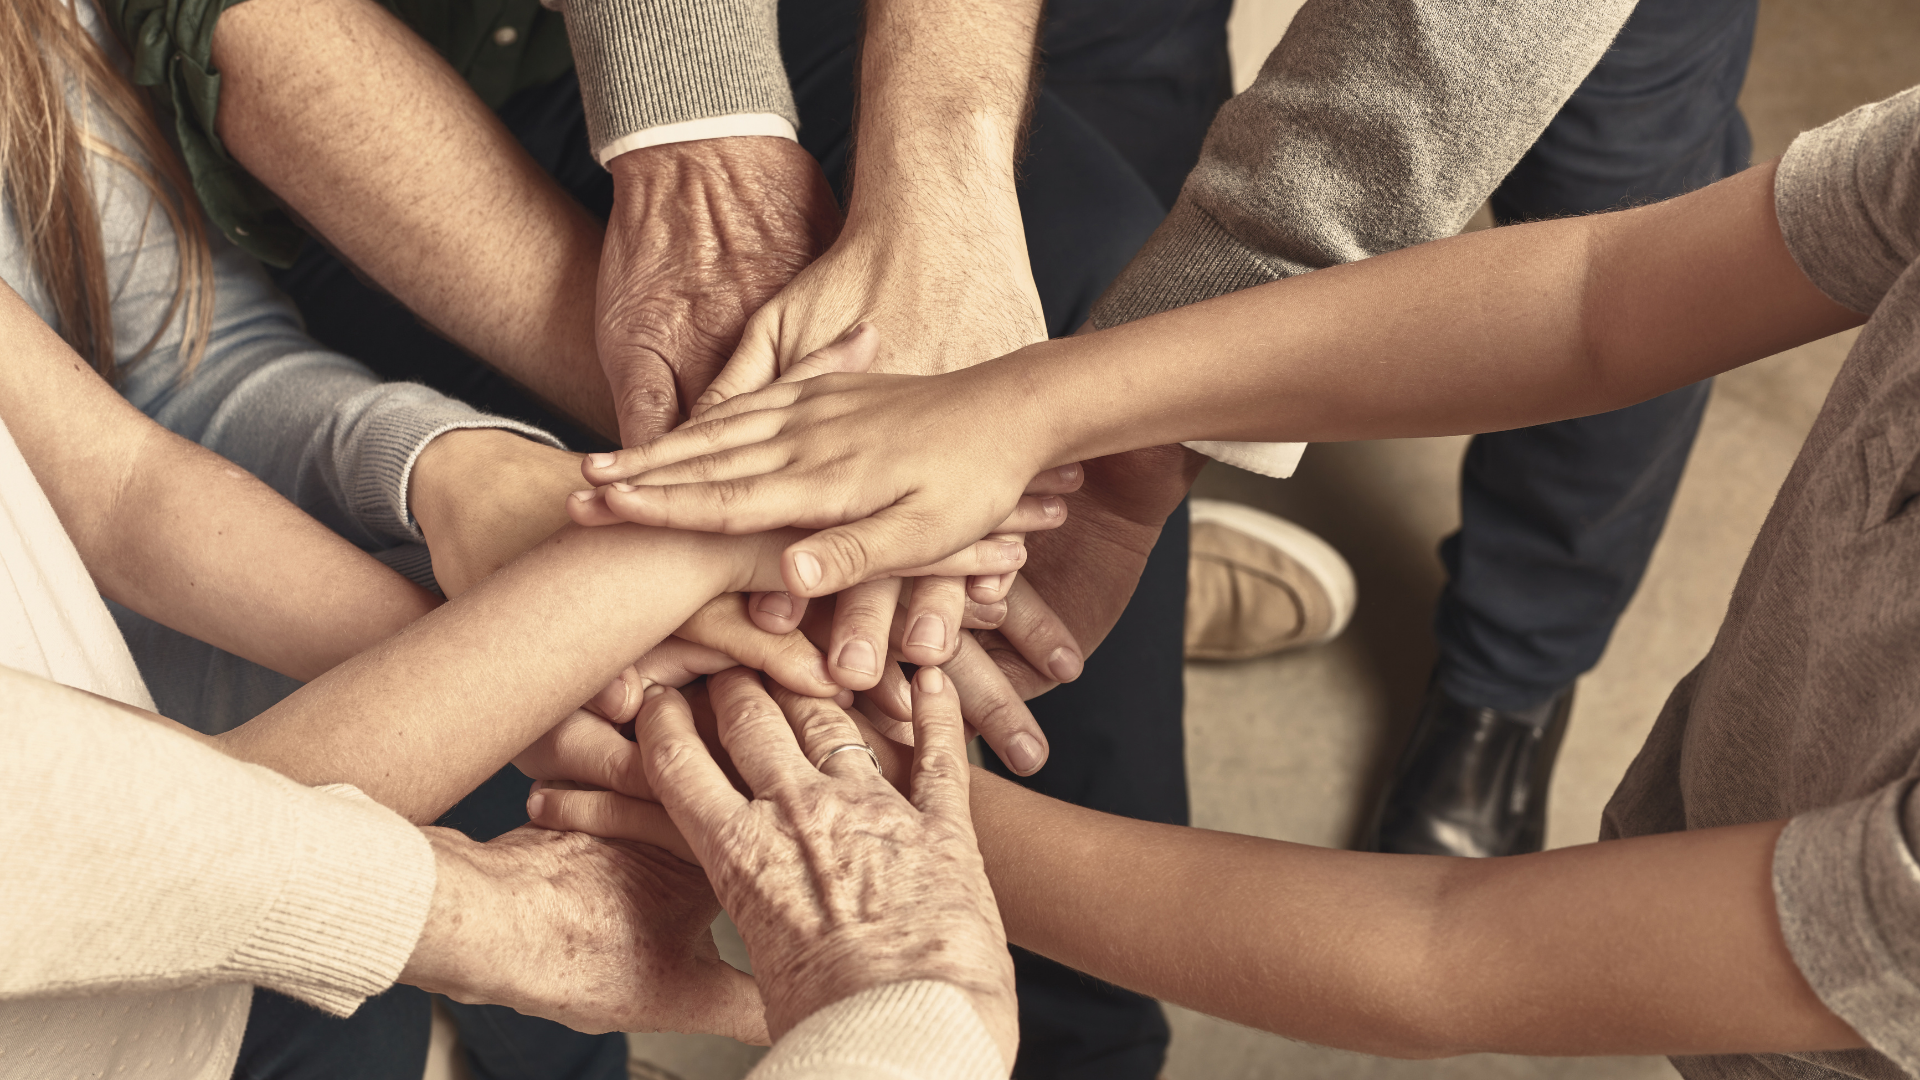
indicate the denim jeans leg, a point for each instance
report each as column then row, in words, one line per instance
column 1558, row 521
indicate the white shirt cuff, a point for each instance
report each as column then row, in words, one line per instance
column 1276, row 459
column 711, row 127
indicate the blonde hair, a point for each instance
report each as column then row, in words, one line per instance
column 50, row 60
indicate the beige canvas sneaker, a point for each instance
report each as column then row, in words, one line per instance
column 1258, row 584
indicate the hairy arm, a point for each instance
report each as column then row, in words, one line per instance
column 141, row 503
column 370, row 137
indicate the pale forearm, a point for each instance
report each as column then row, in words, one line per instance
column 373, row 140
column 1495, row 330
column 421, row 719
column 1656, row 945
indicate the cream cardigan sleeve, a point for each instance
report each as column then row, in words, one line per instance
column 141, row 859
column 919, row 1030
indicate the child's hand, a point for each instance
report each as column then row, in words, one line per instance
column 899, row 472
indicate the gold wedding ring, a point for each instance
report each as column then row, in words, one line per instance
column 871, row 756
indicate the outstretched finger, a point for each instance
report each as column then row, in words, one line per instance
column 862, row 619
column 896, row 537
column 1063, row 480
column 681, row 771
column 736, row 506
column 585, row 749
column 1035, row 514
column 996, row 554
column 990, row 704
column 703, row 439
column 1040, row 635
column 755, row 731
column 930, row 629
column 823, row 728
column 853, row 353
column 744, row 628
column 606, row 814
column 939, row 785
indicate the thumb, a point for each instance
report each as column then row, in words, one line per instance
column 643, row 394
column 854, row 352
column 895, row 538
column 754, row 364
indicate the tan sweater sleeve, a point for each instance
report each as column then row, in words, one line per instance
column 141, row 859
column 1373, row 126
column 653, row 64
column 919, row 1030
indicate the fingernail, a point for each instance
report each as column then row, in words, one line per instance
column 613, row 700
column 1023, row 753
column 583, row 496
column 806, row 568
column 1013, row 552
column 1065, row 664
column 653, row 691
column 1053, row 506
column 534, row 802
column 858, row 655
column 600, row 461
column 929, row 631
column 622, row 485
column 929, row 680
column 988, row 587
column 777, row 604
column 844, row 699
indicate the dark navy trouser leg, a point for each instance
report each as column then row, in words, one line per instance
column 1558, row 521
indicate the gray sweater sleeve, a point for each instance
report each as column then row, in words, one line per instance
column 649, row 63
column 1374, row 125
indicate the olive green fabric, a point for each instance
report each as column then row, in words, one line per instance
column 499, row 46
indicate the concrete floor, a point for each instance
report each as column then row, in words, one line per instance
column 1294, row 746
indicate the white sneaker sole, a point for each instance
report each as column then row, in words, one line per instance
column 1313, row 554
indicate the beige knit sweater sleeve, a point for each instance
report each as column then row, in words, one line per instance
column 141, row 859
column 920, row 1030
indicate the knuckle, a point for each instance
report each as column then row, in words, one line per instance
column 845, row 550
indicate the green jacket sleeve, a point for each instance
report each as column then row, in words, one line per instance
column 170, row 43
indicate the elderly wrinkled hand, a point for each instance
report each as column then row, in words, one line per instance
column 837, row 882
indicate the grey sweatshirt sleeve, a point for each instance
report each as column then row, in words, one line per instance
column 647, row 64
column 1374, row 125
column 318, row 427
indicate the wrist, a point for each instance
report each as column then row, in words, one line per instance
column 460, row 925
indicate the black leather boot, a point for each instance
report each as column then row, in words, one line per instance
column 1472, row 781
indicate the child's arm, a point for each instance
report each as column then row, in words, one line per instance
column 142, row 506
column 1655, row 945
column 420, row 719
column 1664, row 944
column 1499, row 329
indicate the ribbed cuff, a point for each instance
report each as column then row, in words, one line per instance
column 902, row 1031
column 1189, row 258
column 713, row 127
column 408, row 417
column 649, row 63
column 359, row 885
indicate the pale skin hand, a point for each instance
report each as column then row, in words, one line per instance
column 599, row 935
column 837, row 882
